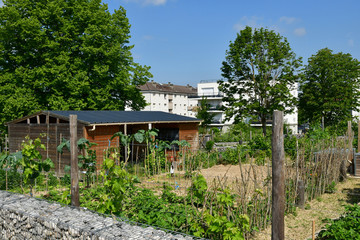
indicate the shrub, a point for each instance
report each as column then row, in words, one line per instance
column 209, row 145
column 346, row 227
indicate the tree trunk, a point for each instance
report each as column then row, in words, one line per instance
column 263, row 123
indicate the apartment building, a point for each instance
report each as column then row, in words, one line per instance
column 169, row 98
column 210, row 90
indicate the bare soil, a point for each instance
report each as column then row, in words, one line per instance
column 226, row 175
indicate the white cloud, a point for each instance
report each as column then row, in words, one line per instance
column 288, row 20
column 251, row 22
column 149, row 2
column 351, row 42
column 300, row 32
column 254, row 22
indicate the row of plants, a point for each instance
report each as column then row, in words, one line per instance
column 346, row 227
column 203, row 212
column 221, row 210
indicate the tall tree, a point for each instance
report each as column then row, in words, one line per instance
column 66, row 55
column 261, row 70
column 204, row 113
column 330, row 88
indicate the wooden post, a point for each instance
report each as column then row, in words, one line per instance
column 47, row 134
column 6, row 143
column 74, row 162
column 60, row 155
column 278, row 177
column 313, row 230
column 350, row 138
column 126, row 147
column 6, row 175
column 301, row 194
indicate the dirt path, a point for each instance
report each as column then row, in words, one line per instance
column 299, row 226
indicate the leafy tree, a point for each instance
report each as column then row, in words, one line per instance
column 204, row 113
column 330, row 88
column 66, row 55
column 261, row 70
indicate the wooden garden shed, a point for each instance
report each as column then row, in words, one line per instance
column 98, row 127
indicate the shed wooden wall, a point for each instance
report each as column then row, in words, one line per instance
column 53, row 129
column 101, row 136
column 51, row 139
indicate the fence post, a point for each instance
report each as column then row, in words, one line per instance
column 278, row 177
column 301, row 194
column 74, row 162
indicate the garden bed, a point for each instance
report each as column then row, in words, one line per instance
column 328, row 206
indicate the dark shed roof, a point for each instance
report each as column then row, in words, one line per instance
column 113, row 117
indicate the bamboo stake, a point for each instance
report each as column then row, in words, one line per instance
column 313, row 230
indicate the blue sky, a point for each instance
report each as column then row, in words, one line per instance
column 184, row 41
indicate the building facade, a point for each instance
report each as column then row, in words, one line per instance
column 169, row 98
column 209, row 89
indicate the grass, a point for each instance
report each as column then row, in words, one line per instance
column 330, row 206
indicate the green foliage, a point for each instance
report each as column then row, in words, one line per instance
column 87, row 160
column 149, row 138
column 261, row 70
column 234, row 155
column 116, row 182
column 66, row 55
column 204, row 113
column 290, row 146
column 198, row 188
column 31, row 162
column 221, row 226
column 331, row 188
column 330, row 88
column 346, row 227
column 316, row 133
column 13, row 177
column 125, row 141
column 209, row 145
column 260, row 148
column 52, row 180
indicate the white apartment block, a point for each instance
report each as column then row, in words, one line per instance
column 210, row 90
column 169, row 98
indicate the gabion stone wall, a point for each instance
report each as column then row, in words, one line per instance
column 23, row 217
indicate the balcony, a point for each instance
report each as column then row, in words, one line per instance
column 220, row 95
column 218, row 107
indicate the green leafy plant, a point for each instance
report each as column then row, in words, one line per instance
column 125, row 141
column 198, row 189
column 86, row 160
column 31, row 162
column 149, row 138
column 116, row 182
column 346, row 227
column 209, row 145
